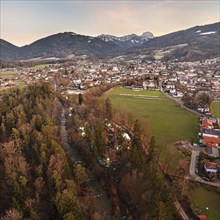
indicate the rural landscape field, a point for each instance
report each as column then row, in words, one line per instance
column 164, row 119
column 215, row 108
column 169, row 124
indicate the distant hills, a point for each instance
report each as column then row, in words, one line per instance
column 7, row 50
column 58, row 45
column 199, row 42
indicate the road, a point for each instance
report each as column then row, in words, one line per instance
column 181, row 211
column 179, row 102
column 193, row 163
column 193, row 174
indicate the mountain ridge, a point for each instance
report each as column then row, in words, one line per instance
column 129, row 40
column 62, row 45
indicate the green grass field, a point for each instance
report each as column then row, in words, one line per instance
column 168, row 123
column 165, row 120
column 39, row 67
column 215, row 109
column 202, row 198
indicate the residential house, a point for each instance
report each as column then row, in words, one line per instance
column 211, row 168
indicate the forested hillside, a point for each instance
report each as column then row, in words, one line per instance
column 39, row 180
column 36, row 179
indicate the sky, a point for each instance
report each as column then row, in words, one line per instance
column 23, row 22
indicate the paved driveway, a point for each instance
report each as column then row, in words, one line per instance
column 193, row 174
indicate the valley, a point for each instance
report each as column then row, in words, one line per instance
column 108, row 128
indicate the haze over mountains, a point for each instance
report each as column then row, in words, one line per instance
column 199, row 42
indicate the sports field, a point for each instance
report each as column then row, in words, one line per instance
column 164, row 119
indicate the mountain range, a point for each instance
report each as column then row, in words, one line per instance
column 199, row 42
column 128, row 41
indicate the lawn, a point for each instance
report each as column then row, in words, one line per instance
column 202, row 198
column 163, row 118
column 215, row 108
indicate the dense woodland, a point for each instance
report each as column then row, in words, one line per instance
column 38, row 179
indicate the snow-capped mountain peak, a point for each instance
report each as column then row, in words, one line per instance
column 147, row 35
column 128, row 40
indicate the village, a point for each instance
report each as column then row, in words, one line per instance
column 192, row 85
column 175, row 79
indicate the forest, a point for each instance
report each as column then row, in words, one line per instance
column 38, row 178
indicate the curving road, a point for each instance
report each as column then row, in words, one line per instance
column 193, row 174
column 193, row 163
column 179, row 102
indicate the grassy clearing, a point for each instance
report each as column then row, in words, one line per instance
column 118, row 91
column 39, row 67
column 215, row 109
column 202, row 198
column 163, row 118
column 166, row 120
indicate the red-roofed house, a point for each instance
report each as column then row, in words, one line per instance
column 211, row 141
column 202, row 217
column 211, row 168
column 206, row 123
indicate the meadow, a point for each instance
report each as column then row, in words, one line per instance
column 7, row 74
column 168, row 123
column 166, row 120
column 202, row 198
column 39, row 67
column 161, row 117
column 215, row 108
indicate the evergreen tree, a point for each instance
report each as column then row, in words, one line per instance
column 100, row 138
column 81, row 175
column 136, row 147
column 80, row 98
column 108, row 109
